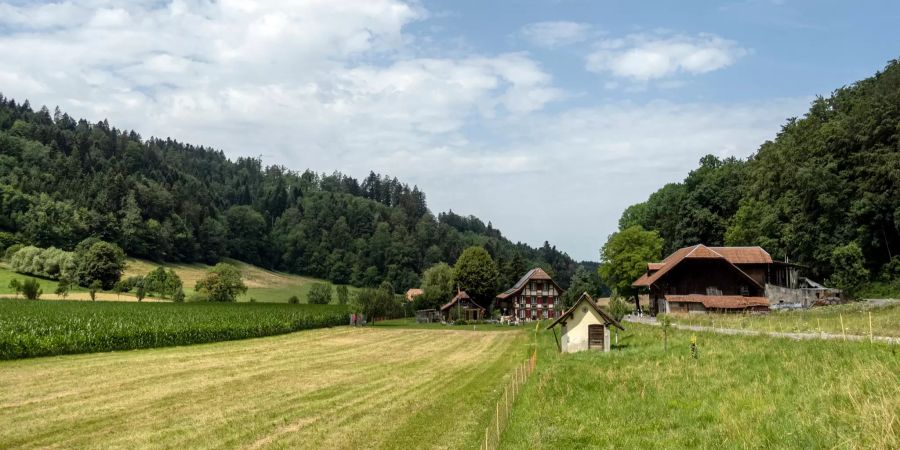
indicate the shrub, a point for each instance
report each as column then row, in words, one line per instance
column 293, row 300
column 222, row 283
column 93, row 288
column 102, row 262
column 343, row 295
column 178, row 297
column 319, row 294
column 62, row 289
column 11, row 250
column 16, row 287
column 31, row 289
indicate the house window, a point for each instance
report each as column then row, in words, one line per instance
column 712, row 290
column 533, row 300
column 745, row 291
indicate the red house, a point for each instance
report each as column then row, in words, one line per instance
column 535, row 296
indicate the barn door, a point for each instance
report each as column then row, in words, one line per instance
column 595, row 337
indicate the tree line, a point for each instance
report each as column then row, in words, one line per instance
column 63, row 180
column 825, row 193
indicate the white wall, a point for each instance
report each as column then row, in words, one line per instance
column 575, row 331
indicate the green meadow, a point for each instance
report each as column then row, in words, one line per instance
column 741, row 392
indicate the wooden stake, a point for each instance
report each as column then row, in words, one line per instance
column 498, row 421
column 871, row 337
column 843, row 331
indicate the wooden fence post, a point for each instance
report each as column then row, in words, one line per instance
column 871, row 336
column 843, row 331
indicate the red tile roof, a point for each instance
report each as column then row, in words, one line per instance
column 744, row 255
column 720, row 301
column 733, row 255
column 534, row 274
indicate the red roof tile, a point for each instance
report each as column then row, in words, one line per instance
column 744, row 255
column 534, row 274
column 720, row 301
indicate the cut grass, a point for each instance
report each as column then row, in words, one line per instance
column 35, row 328
column 742, row 392
column 410, row 323
column 826, row 319
column 336, row 388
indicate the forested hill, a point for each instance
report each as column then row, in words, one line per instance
column 826, row 188
column 62, row 180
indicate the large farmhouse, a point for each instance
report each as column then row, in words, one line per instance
column 698, row 279
column 535, row 296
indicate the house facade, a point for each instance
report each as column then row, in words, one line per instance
column 584, row 326
column 701, row 279
column 534, row 297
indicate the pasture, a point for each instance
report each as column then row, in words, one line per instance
column 331, row 388
column 39, row 328
column 262, row 285
column 826, row 319
column 742, row 392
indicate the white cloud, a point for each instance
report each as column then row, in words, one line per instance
column 645, row 57
column 557, row 34
column 343, row 85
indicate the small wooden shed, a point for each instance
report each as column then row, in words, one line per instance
column 584, row 326
column 462, row 307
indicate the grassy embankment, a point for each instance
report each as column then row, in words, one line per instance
column 742, row 392
column 39, row 328
column 826, row 319
column 263, row 285
column 336, row 388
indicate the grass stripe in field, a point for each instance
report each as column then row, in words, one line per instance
column 334, row 388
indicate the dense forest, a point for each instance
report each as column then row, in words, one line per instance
column 62, row 180
column 826, row 186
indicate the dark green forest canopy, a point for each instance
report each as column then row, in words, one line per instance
column 62, row 180
column 828, row 179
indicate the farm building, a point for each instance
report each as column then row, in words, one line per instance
column 412, row 293
column 701, row 279
column 584, row 326
column 535, row 296
column 463, row 307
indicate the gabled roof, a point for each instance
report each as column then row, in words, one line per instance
column 720, row 301
column 736, row 255
column 744, row 255
column 585, row 298
column 534, row 274
column 461, row 295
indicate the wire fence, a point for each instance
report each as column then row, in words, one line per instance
column 505, row 403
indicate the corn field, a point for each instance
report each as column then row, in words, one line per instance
column 504, row 405
column 43, row 328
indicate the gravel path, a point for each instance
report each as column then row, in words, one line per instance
column 742, row 332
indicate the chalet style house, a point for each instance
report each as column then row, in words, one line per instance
column 535, row 296
column 698, row 279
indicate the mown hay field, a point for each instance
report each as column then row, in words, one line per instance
column 332, row 388
column 741, row 392
column 30, row 328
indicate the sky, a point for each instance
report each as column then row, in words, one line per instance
column 546, row 118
